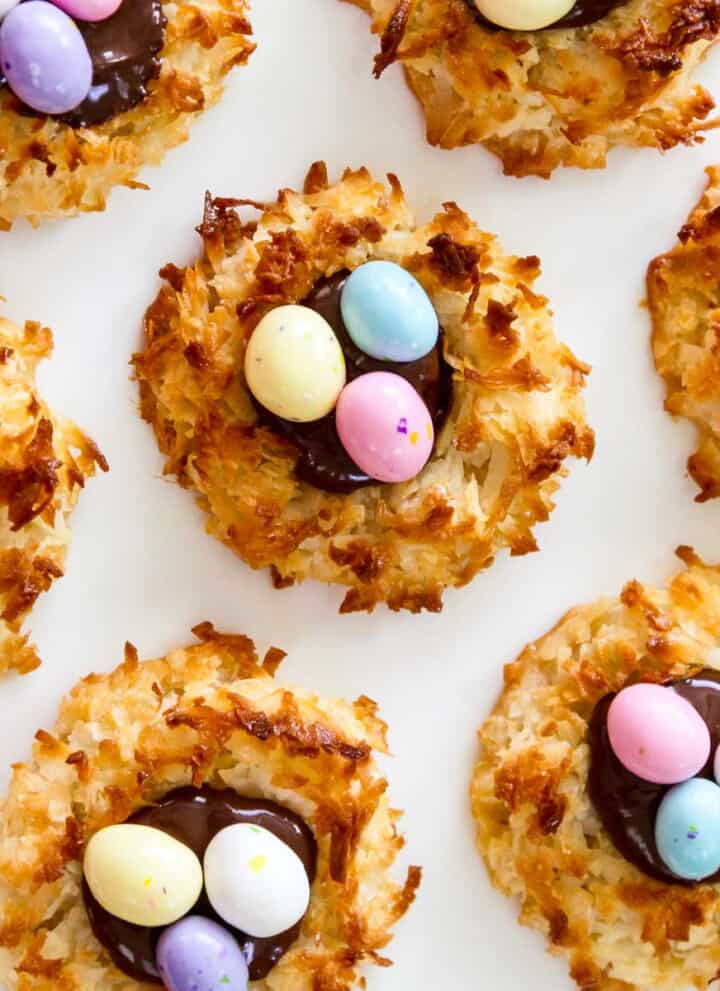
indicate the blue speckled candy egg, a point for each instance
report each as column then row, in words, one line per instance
column 44, row 57
column 687, row 829
column 387, row 313
column 197, row 954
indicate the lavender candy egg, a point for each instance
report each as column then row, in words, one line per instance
column 197, row 954
column 44, row 57
column 385, row 427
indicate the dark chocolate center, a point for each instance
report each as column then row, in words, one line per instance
column 193, row 816
column 626, row 804
column 323, row 461
column 584, row 12
column 125, row 56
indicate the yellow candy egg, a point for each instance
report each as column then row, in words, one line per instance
column 142, row 875
column 524, row 15
column 294, row 365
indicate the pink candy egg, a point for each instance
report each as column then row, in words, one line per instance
column 89, row 10
column 385, row 426
column 657, row 734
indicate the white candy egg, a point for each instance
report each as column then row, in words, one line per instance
column 142, row 875
column 254, row 881
column 524, row 15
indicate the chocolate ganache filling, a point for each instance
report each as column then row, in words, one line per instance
column 193, row 816
column 628, row 805
column 124, row 50
column 583, row 12
column 323, row 461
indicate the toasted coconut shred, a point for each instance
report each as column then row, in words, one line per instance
column 51, row 170
column 516, row 414
column 685, row 310
column 204, row 715
column 537, row 829
column 543, row 99
column 44, row 461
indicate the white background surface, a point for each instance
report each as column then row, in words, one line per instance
column 141, row 566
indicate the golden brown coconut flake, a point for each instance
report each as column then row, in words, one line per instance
column 125, row 739
column 49, row 170
column 543, row 99
column 684, row 301
column 516, row 415
column 537, row 829
column 44, row 461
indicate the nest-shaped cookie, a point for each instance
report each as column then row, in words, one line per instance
column 205, row 715
column 50, row 170
column 684, row 300
column 537, row 829
column 44, row 461
column 516, row 412
column 543, row 99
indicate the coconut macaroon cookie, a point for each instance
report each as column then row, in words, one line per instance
column 684, row 305
column 359, row 399
column 44, row 461
column 93, row 90
column 596, row 795
column 544, row 83
column 190, row 822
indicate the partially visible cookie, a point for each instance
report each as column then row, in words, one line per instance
column 684, row 298
column 209, row 717
column 52, row 168
column 563, row 96
column 44, row 461
column 514, row 410
column 537, row 828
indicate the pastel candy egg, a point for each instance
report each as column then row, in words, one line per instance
column 90, row 10
column 254, row 881
column 387, row 313
column 687, row 829
column 142, row 875
column 197, row 954
column 524, row 15
column 294, row 365
column 657, row 734
column 44, row 57
column 385, row 426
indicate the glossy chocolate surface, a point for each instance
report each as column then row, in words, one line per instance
column 323, row 461
column 193, row 816
column 583, row 12
column 626, row 804
column 124, row 50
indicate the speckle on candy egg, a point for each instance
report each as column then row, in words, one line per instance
column 657, row 734
column 387, row 313
column 254, row 881
column 385, row 426
column 524, row 15
column 294, row 365
column 142, row 875
column 197, row 954
column 44, row 57
column 687, row 829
